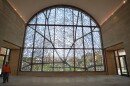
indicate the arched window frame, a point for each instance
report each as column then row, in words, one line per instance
column 92, row 26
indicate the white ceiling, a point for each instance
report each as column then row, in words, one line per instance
column 99, row 9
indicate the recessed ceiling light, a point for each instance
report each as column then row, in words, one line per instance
column 124, row 1
column 112, row 13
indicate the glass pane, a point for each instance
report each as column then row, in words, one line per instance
column 49, row 37
column 48, row 56
column 52, row 16
column 96, row 40
column 69, row 38
column 60, row 16
column 59, row 37
column 48, row 44
column 27, row 53
column 1, row 63
column 39, row 39
column 79, row 19
column 37, row 67
column 29, row 37
column 3, row 51
column 25, row 66
column 48, row 67
column 26, row 59
column 78, row 32
column 33, row 21
column 48, row 60
column 59, row 59
column 69, row 60
column 38, row 55
column 86, row 20
column 93, row 23
column 99, row 60
column 123, row 65
column 7, row 58
column 118, row 66
column 40, row 30
column 8, row 52
column 79, row 60
column 88, row 41
column 86, row 30
column 95, row 29
column 89, row 58
column 79, row 43
column 58, row 66
column 121, row 52
column 41, row 18
column 76, row 15
column 68, row 17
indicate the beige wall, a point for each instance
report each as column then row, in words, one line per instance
column 11, row 30
column 117, row 29
column 11, row 25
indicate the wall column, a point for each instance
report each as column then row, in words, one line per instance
column 14, row 59
column 111, row 67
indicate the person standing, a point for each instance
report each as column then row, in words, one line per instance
column 6, row 71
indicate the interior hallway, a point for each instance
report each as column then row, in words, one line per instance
column 68, row 81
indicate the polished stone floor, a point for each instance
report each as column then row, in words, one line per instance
column 67, row 81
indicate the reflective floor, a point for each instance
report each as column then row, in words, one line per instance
column 67, row 81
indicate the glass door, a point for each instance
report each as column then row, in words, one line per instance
column 121, row 63
column 4, row 56
column 1, row 63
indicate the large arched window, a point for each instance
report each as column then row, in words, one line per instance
column 62, row 38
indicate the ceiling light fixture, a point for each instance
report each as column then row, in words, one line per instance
column 124, row 1
column 112, row 13
column 121, row 4
column 17, row 11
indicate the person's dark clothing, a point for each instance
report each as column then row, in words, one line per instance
column 6, row 71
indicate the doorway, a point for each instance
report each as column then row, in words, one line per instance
column 121, row 63
column 4, row 57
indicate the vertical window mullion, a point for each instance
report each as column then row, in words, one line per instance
column 54, row 39
column 76, row 30
column 64, row 43
column 33, row 45
column 43, row 44
column 93, row 44
column 83, row 42
column 73, row 37
column 44, row 40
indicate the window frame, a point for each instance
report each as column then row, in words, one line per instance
column 75, row 8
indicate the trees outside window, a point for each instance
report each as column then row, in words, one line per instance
column 62, row 38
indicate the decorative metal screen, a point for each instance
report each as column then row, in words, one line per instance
column 62, row 38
